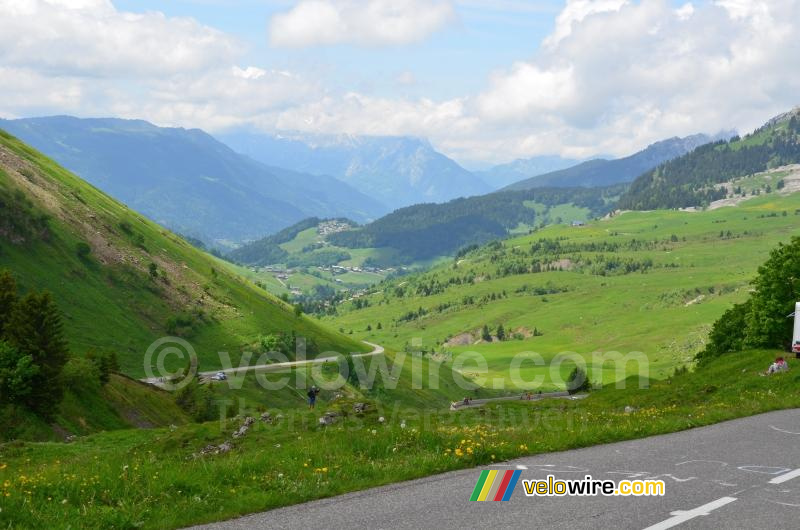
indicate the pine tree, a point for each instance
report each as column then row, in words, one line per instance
column 485, row 335
column 35, row 328
column 501, row 333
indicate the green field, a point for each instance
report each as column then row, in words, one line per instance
column 692, row 267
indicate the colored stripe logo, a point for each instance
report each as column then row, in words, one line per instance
column 494, row 485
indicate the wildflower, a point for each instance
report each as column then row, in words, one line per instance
column 280, row 475
column 381, row 419
column 374, row 431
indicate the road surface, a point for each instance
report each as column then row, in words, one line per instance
column 376, row 350
column 738, row 474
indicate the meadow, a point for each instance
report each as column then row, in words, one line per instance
column 159, row 478
column 649, row 282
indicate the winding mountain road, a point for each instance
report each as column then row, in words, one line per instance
column 377, row 349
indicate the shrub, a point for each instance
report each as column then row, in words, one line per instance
column 81, row 375
column 17, row 375
column 83, row 249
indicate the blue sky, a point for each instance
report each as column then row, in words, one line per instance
column 485, row 81
column 482, row 38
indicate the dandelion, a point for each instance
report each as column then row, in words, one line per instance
column 374, row 431
column 381, row 419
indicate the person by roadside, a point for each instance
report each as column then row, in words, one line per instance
column 312, row 396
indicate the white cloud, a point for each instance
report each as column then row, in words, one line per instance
column 611, row 78
column 91, row 38
column 685, row 11
column 365, row 22
column 615, row 76
column 575, row 12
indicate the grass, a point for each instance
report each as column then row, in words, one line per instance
column 664, row 312
column 123, row 403
column 150, row 478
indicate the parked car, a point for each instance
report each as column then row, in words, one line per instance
column 219, row 376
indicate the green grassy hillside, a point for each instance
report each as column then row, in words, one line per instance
column 157, row 479
column 122, row 403
column 650, row 282
column 121, row 280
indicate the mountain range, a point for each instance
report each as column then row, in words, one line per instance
column 397, row 171
column 187, row 180
column 503, row 175
column 603, row 172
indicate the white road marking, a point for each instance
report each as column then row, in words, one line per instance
column 782, row 430
column 720, row 462
column 681, row 516
column 783, row 478
column 769, row 469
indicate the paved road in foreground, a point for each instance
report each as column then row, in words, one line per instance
column 738, row 474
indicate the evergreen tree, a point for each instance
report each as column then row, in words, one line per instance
column 501, row 333
column 485, row 334
column 35, row 328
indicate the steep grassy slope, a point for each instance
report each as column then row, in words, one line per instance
column 650, row 282
column 123, row 403
column 122, row 280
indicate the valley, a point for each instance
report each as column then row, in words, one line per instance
column 508, row 295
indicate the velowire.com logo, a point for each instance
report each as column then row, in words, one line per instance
column 494, row 485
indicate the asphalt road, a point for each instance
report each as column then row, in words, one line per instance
column 377, row 349
column 738, row 474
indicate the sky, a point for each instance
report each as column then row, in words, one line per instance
column 486, row 81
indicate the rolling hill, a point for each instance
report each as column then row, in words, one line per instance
column 424, row 232
column 188, row 181
column 650, row 282
column 601, row 172
column 124, row 281
column 397, row 171
column 707, row 173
